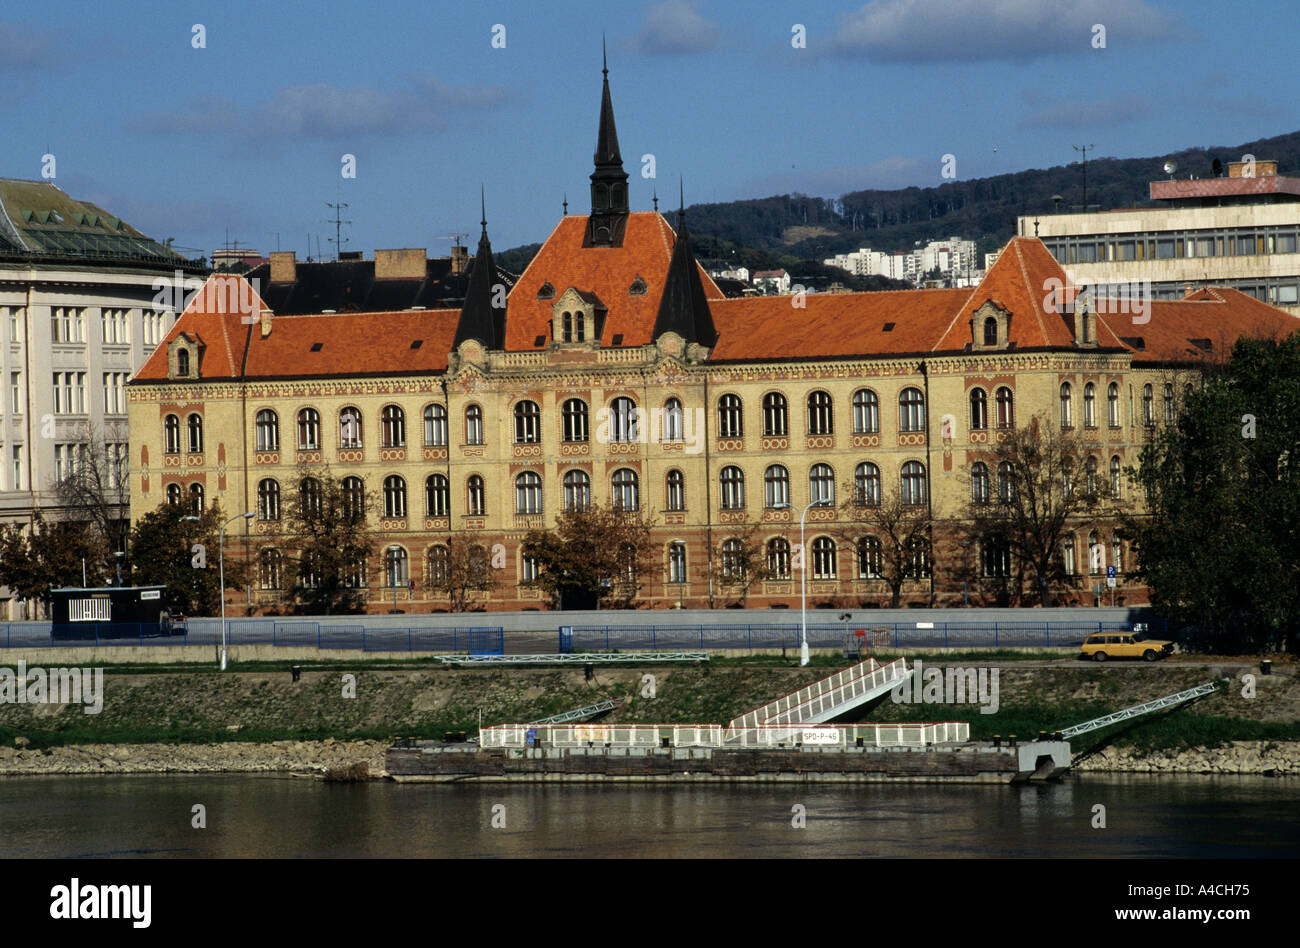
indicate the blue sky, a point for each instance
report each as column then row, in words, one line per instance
column 247, row 133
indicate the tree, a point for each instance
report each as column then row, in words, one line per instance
column 327, row 522
column 459, row 568
column 1217, row 540
column 738, row 562
column 50, row 555
column 184, row 556
column 892, row 536
column 95, row 486
column 1038, row 483
column 594, row 552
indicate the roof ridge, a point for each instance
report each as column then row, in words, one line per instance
column 1034, row 302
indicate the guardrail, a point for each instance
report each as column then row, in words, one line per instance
column 474, row 640
column 715, row 735
column 847, row 735
column 895, row 635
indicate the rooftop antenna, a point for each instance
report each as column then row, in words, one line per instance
column 1084, row 150
column 338, row 222
column 566, row 203
column 656, row 198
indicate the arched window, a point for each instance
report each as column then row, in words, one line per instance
column 979, row 483
column 473, row 424
column 268, row 499
column 866, row 485
column 1096, row 554
column 1067, row 477
column 577, row 490
column 350, row 428
column 477, row 504
column 579, row 326
column 733, row 559
column 528, row 493
column 672, row 423
column 776, row 417
column 269, row 569
column 528, row 422
column 309, row 497
column 821, row 418
column 183, row 362
column 396, row 567
column 990, row 331
column 866, row 412
column 394, row 496
column 917, row 564
column 622, row 420
column 173, row 494
column 733, row 488
column 821, row 484
column 196, row 498
column 1148, row 406
column 529, row 569
column 268, row 430
column 436, row 566
column 913, row 482
column 1112, row 404
column 777, row 482
column 195, row 425
column 677, row 562
column 1006, row 482
column 731, row 417
column 567, row 320
column 354, row 498
column 676, row 484
column 1067, row 555
column 778, row 558
column 308, row 429
column 626, row 493
column 1115, row 469
column 823, row 558
column 171, row 435
column 393, row 425
column 1169, row 403
column 435, row 426
column 437, row 495
column 1067, row 406
column 995, row 557
column 1116, row 555
column 979, row 409
column 574, row 413
column 871, row 558
column 1090, row 406
column 1006, row 408
column 911, row 405
column 1090, row 469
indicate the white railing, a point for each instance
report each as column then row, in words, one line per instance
column 713, row 735
column 829, row 694
column 832, row 735
column 617, row 735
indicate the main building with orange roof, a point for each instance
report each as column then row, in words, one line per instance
column 613, row 371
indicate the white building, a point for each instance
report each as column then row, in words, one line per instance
column 77, row 318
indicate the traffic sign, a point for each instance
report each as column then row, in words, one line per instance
column 1110, row 577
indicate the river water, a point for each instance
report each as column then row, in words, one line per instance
column 272, row 816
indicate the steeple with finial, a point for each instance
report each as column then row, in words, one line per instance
column 683, row 308
column 480, row 318
column 609, row 207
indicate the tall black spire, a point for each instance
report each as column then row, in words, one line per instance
column 479, row 318
column 609, row 208
column 683, row 308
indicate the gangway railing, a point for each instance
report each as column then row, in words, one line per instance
column 578, row 714
column 1168, row 701
column 830, row 696
column 847, row 735
column 714, row 735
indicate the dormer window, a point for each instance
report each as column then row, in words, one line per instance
column 638, row 287
column 546, row 292
column 577, row 317
column 183, row 357
column 990, row 327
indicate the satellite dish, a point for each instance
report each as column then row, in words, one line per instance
column 1171, row 167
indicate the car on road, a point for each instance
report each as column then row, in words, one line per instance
column 1101, row 646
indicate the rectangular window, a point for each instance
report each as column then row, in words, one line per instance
column 67, row 324
column 1164, row 249
column 18, row 467
column 17, row 322
column 1286, row 295
column 16, row 393
column 1286, row 243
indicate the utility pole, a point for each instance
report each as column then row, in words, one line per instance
column 1084, row 150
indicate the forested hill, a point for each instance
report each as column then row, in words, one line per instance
column 794, row 230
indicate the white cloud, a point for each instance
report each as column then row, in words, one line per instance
column 676, row 26
column 965, row 30
column 1112, row 111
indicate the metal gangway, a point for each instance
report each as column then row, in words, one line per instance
column 579, row 714
column 828, row 698
column 1168, row 701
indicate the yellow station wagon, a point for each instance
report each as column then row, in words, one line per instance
column 1103, row 645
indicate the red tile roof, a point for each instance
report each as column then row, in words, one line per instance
column 1223, row 187
column 351, row 343
column 1215, row 317
column 606, row 271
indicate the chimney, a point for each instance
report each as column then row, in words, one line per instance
column 459, row 260
column 265, row 321
column 406, row 264
column 1263, row 169
column 284, row 268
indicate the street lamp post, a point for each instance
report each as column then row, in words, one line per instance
column 392, row 566
column 803, row 579
column 965, row 572
column 221, row 577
